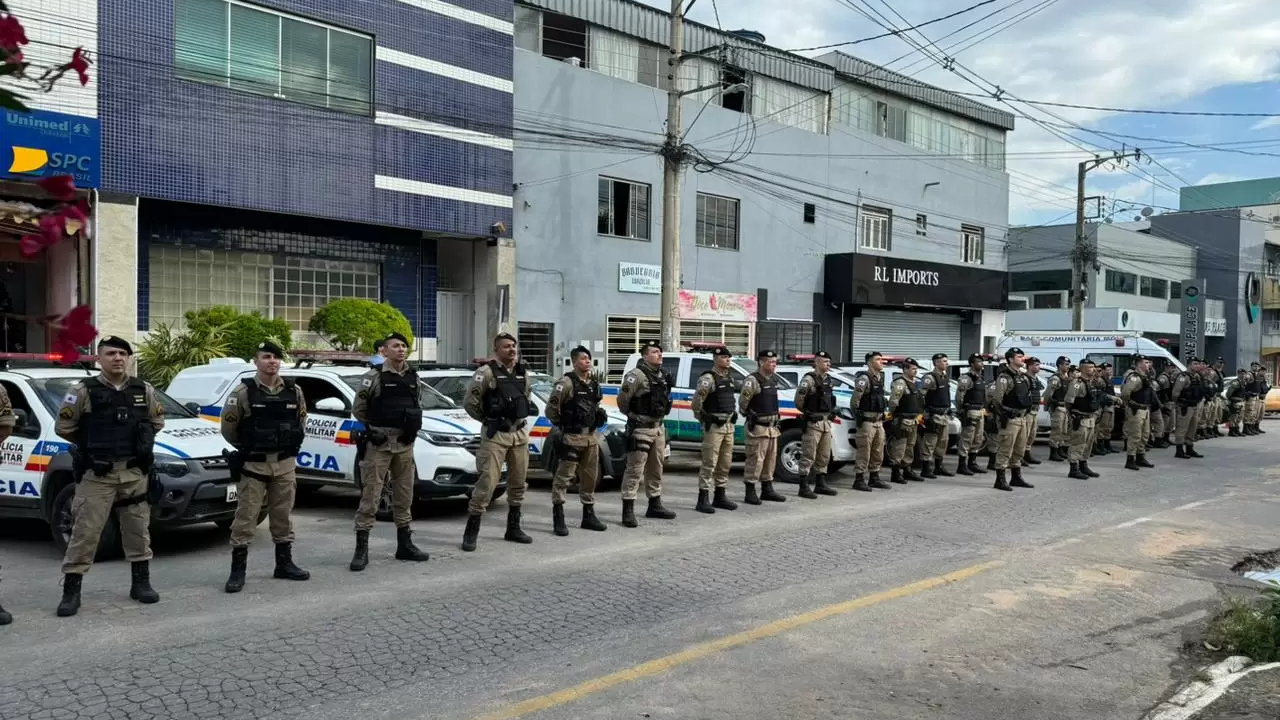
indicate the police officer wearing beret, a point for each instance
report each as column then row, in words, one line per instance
column 1010, row 399
column 389, row 406
column 1032, row 369
column 971, row 403
column 1258, row 389
column 1137, row 398
column 574, row 408
column 1055, row 391
column 500, row 397
column 816, row 400
column 758, row 403
column 1238, row 403
column 905, row 405
column 868, row 404
column 265, row 419
column 1082, row 403
column 935, row 387
column 645, row 398
column 715, row 408
column 113, row 420
column 1189, row 391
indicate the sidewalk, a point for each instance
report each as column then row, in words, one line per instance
column 1253, row 697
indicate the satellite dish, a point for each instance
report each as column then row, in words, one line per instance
column 1137, row 218
column 1146, row 212
column 1107, row 221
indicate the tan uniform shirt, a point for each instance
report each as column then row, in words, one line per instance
column 560, row 394
column 1077, row 388
column 635, row 384
column 481, row 383
column 750, row 388
column 862, row 384
column 237, row 408
column 1132, row 384
column 76, row 404
column 706, row 386
column 370, row 388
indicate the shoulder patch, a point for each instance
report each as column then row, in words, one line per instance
column 66, row 412
column 862, row 383
column 478, row 377
column 233, row 401
column 70, row 399
column 367, row 382
column 1003, row 381
column 630, row 380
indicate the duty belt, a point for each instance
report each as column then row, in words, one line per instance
column 938, row 410
column 872, row 416
column 1015, row 412
column 644, row 425
column 263, row 457
column 516, row 426
column 767, row 421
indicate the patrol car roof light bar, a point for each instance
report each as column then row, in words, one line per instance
column 801, row 357
column 702, row 345
column 337, row 357
column 85, row 361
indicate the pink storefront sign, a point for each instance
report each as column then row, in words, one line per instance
column 710, row 305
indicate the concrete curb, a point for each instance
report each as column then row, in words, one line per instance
column 1198, row 695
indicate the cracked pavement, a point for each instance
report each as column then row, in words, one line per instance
column 1084, row 617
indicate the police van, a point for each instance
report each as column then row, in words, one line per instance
column 36, row 478
column 1117, row 348
column 444, row 454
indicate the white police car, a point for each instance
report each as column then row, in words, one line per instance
column 445, row 455
column 36, row 479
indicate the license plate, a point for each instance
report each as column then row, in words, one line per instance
column 231, row 493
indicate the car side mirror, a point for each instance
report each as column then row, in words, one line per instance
column 193, row 407
column 332, row 406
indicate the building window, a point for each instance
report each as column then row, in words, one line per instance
column 810, row 213
column 736, row 99
column 717, row 222
column 787, row 338
column 1121, row 282
column 623, row 209
column 564, row 37
column 922, row 225
column 290, row 287
column 1153, row 287
column 625, row 335
column 973, row 240
column 1047, row 301
column 537, row 340
column 1175, row 289
column 875, row 228
column 892, row 121
column 262, row 51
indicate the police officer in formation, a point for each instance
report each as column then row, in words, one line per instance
column 935, row 387
column 645, row 398
column 1083, row 404
column 1055, row 392
column 389, row 407
column 905, row 405
column 1037, row 392
column 500, row 398
column 1239, row 402
column 971, row 403
column 868, row 405
column 574, row 408
column 1162, row 411
column 113, row 420
column 1189, row 391
column 715, row 407
column 816, row 401
column 1010, row 400
column 758, row 404
column 1105, row 426
column 1259, row 387
column 265, row 420
column 1137, row 401
column 1210, row 416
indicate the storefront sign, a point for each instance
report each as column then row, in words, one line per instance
column 39, row 143
column 873, row 280
column 1191, row 337
column 706, row 305
column 637, row 278
column 1215, row 327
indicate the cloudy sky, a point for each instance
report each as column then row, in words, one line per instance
column 1174, row 55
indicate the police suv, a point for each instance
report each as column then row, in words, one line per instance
column 444, row 455
column 36, row 479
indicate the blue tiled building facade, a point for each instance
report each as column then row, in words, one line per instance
column 327, row 139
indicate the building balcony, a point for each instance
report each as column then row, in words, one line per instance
column 1271, row 292
column 1270, row 338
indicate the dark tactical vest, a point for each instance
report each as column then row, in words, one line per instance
column 273, row 425
column 117, row 426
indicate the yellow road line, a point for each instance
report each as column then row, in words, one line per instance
column 711, row 647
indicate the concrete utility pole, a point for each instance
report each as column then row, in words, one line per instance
column 1082, row 253
column 672, row 160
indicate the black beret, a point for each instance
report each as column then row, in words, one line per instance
column 975, row 356
column 1013, row 351
column 766, row 355
column 1086, row 361
column 872, row 354
column 1033, row 360
column 823, row 354
column 377, row 345
column 1063, row 359
column 267, row 346
column 940, row 356
column 650, row 344
column 580, row 350
column 1139, row 358
column 722, row 352
column 395, row 336
column 910, row 361
column 496, row 338
column 116, row 342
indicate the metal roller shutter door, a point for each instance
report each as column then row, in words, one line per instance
column 896, row 332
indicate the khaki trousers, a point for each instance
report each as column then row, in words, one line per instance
column 580, row 458
column 511, row 448
column 96, row 498
column 762, row 454
column 644, row 462
column 717, row 456
column 278, row 493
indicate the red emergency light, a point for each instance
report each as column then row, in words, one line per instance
column 802, row 357
column 703, row 345
column 6, row 358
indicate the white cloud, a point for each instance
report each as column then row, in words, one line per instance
column 1215, row 178
column 1266, row 123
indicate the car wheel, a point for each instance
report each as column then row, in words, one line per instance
column 61, row 523
column 225, row 524
column 789, row 444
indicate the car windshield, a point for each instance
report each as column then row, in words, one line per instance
column 752, row 366
column 52, row 391
column 429, row 397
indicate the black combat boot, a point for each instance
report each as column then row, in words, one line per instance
column 939, row 470
column 909, row 474
column 1252, row 429
column 1257, row 429
column 975, row 467
column 926, row 471
column 406, row 550
column 877, row 483
column 1131, row 463
column 1017, row 480
column 1106, row 445
column 557, row 520
column 514, row 533
column 657, row 511
column 1075, row 472
column 1142, row 461
column 70, row 604
column 962, row 466
column 1084, row 468
column 140, row 587
column 991, row 461
column 1001, row 483
column 1029, row 459
column 768, row 493
column 285, row 569
column 704, row 502
column 806, row 491
column 1191, row 451
column 895, row 476
column 239, row 562
column 721, row 500
column 590, row 521
column 469, row 535
column 860, row 483
column 1055, row 455
column 1235, row 431
column 750, row 496
column 1182, row 452
column 821, row 487
column 360, row 558
column 629, row 514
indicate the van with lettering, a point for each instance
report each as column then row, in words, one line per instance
column 444, row 453
column 36, row 477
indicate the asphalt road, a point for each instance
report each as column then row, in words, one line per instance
column 943, row 599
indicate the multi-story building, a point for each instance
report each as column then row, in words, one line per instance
column 828, row 202
column 274, row 155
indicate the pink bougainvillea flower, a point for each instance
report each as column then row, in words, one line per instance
column 31, row 245
column 80, row 64
column 61, row 187
column 74, row 331
column 12, row 34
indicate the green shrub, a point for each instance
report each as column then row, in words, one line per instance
column 165, row 353
column 354, row 324
column 1249, row 626
column 243, row 331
